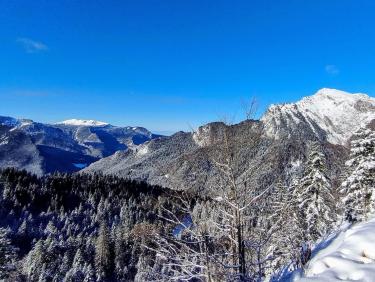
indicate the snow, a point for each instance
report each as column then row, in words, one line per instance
column 25, row 123
column 14, row 123
column 81, row 122
column 296, row 164
column 4, row 141
column 142, row 150
column 349, row 257
column 337, row 112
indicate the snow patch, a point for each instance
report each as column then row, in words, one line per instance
column 142, row 150
column 296, row 164
column 4, row 141
column 25, row 123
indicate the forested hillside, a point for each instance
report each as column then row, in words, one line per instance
column 76, row 227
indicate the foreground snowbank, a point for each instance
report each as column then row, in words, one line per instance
column 348, row 257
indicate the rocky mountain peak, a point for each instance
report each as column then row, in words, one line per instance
column 208, row 133
column 330, row 114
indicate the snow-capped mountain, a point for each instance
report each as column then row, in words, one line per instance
column 82, row 122
column 67, row 146
column 330, row 114
column 102, row 139
column 329, row 117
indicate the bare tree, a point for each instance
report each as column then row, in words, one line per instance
column 249, row 107
column 185, row 251
column 223, row 241
column 236, row 196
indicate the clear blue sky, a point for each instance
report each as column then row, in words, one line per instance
column 166, row 65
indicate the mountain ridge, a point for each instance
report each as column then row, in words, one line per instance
column 287, row 132
column 64, row 147
column 336, row 112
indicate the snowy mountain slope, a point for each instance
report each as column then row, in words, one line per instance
column 349, row 257
column 152, row 160
column 67, row 146
column 330, row 114
column 101, row 139
column 179, row 162
column 329, row 117
column 18, row 150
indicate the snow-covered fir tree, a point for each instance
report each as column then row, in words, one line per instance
column 288, row 237
column 358, row 188
column 7, row 255
column 102, row 253
column 314, row 197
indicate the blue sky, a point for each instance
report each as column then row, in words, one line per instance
column 169, row 65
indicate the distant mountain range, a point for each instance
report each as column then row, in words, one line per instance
column 328, row 118
column 67, row 146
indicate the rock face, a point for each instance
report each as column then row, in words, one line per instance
column 284, row 135
column 66, row 147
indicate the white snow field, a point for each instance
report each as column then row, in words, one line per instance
column 349, row 257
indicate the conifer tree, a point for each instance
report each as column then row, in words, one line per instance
column 89, row 274
column 34, row 261
column 287, row 238
column 102, row 252
column 358, row 188
column 314, row 198
column 7, row 255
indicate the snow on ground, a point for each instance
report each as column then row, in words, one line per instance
column 348, row 257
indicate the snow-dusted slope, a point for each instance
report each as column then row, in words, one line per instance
column 331, row 114
column 349, row 257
